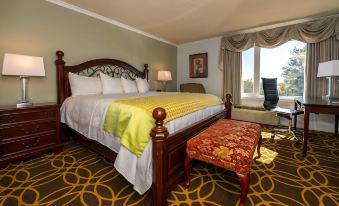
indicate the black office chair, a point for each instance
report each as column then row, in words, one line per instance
column 270, row 88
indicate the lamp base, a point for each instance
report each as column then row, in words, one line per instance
column 164, row 85
column 23, row 104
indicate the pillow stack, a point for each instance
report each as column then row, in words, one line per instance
column 82, row 85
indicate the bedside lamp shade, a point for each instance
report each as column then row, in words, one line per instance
column 164, row 75
column 329, row 69
column 21, row 65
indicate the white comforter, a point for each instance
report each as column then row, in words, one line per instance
column 86, row 115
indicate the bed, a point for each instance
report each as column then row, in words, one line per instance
column 167, row 147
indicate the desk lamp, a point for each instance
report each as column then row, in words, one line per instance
column 329, row 69
column 164, row 76
column 23, row 66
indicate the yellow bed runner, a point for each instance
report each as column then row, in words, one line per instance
column 132, row 121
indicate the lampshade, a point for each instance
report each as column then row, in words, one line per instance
column 328, row 69
column 21, row 65
column 164, row 75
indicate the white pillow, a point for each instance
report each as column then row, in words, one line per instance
column 82, row 85
column 142, row 85
column 110, row 85
column 128, row 86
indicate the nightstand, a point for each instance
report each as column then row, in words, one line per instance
column 26, row 132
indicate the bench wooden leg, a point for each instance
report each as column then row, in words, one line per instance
column 188, row 171
column 259, row 145
column 244, row 186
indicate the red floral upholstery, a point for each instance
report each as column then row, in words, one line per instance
column 228, row 144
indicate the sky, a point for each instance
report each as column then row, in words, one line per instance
column 271, row 60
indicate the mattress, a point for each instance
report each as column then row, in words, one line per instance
column 86, row 114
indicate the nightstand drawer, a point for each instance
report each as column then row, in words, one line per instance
column 22, row 145
column 17, row 117
column 27, row 129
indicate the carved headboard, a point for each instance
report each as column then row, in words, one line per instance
column 111, row 67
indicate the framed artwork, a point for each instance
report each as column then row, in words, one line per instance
column 198, row 65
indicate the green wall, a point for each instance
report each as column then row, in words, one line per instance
column 40, row 28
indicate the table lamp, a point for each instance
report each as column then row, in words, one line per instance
column 23, row 66
column 329, row 69
column 164, row 76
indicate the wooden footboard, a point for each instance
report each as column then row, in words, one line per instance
column 169, row 151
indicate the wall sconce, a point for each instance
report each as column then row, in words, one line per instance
column 23, row 66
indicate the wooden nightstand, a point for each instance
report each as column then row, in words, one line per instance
column 25, row 132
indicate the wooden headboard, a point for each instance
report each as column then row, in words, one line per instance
column 111, row 67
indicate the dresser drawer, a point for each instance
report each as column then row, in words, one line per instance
column 17, row 117
column 27, row 129
column 23, row 145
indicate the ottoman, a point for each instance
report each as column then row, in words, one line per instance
column 228, row 144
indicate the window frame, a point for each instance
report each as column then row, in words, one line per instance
column 255, row 95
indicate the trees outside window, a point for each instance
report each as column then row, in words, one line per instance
column 293, row 74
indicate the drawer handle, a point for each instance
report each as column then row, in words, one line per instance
column 46, row 114
column 31, row 145
column 27, row 131
column 11, row 119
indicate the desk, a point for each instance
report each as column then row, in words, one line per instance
column 317, row 105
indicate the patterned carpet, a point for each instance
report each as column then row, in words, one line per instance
column 79, row 176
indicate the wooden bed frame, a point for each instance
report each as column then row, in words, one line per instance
column 169, row 150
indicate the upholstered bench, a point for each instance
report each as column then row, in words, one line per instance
column 228, row 144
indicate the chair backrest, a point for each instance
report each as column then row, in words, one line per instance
column 270, row 88
column 192, row 88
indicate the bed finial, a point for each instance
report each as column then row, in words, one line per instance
column 159, row 131
column 228, row 106
column 60, row 55
column 146, row 71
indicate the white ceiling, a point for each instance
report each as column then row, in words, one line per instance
column 181, row 21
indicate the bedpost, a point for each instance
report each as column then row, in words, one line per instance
column 159, row 134
column 146, row 71
column 228, row 106
column 60, row 63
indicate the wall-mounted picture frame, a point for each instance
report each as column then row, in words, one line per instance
column 198, row 65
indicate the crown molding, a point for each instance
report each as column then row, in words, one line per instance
column 108, row 20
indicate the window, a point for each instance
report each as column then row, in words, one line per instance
column 247, row 71
column 285, row 62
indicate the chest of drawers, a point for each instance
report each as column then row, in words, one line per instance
column 26, row 132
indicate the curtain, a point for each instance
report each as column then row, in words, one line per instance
column 309, row 32
column 232, row 75
column 316, row 53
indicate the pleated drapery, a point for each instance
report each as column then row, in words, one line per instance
column 232, row 75
column 310, row 32
column 316, row 53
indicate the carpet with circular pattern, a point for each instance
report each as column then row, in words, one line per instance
column 78, row 176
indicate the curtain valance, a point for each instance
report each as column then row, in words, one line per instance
column 309, row 32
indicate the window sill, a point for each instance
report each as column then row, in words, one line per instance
column 261, row 98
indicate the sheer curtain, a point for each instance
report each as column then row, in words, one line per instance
column 310, row 32
column 316, row 53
